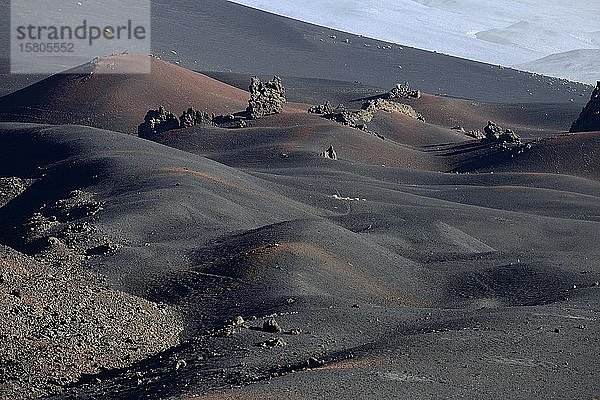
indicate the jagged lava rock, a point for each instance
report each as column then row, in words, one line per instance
column 392, row 106
column 272, row 326
column 265, row 98
column 192, row 117
column 158, row 121
column 495, row 134
column 403, row 91
column 326, row 108
column 329, row 153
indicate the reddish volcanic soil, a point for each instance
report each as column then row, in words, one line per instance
column 119, row 101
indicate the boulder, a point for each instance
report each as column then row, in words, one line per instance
column 329, row 153
column 274, row 342
column 272, row 326
column 355, row 119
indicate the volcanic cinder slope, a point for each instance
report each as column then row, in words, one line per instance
column 422, row 263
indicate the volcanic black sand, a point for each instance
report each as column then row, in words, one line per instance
column 421, row 263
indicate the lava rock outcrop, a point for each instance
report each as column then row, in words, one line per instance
column 358, row 119
column 325, row 109
column 192, row 117
column 589, row 119
column 158, row 121
column 402, row 91
column 496, row 134
column 265, row 97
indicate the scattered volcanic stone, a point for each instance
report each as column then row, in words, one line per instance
column 589, row 119
column 103, row 249
column 329, row 153
column 233, row 327
column 275, row 342
column 326, row 108
column 53, row 241
column 476, row 133
column 265, row 98
column 11, row 187
column 180, row 364
column 295, row 331
column 403, row 91
column 458, row 128
column 272, row 326
column 224, row 119
column 158, row 121
column 79, row 204
column 314, row 362
column 495, row 134
column 229, row 121
column 71, row 311
column 192, row 117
